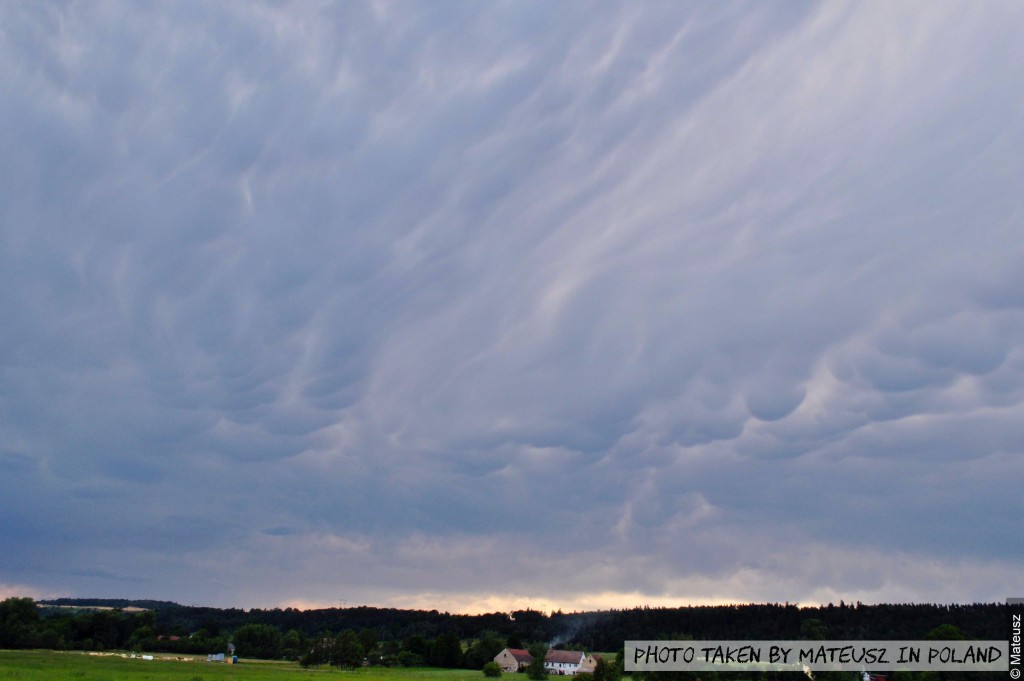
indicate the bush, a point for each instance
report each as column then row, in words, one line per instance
column 407, row 658
column 492, row 670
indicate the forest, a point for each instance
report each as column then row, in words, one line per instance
column 397, row 637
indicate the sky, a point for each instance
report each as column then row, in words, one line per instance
column 484, row 306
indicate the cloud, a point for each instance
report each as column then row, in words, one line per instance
column 510, row 302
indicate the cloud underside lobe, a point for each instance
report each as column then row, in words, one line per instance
column 511, row 303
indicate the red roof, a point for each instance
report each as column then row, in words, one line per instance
column 564, row 657
column 520, row 654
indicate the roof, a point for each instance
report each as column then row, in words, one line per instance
column 564, row 657
column 520, row 654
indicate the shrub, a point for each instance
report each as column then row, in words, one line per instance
column 408, row 658
column 492, row 670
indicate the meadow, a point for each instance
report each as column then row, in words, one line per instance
column 44, row 665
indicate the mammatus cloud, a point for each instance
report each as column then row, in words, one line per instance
column 511, row 304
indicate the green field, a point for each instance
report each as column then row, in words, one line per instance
column 37, row 665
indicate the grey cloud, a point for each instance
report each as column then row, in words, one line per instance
column 400, row 284
column 281, row 531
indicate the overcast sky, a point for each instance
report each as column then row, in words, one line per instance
column 475, row 306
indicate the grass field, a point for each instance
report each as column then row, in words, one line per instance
column 37, row 665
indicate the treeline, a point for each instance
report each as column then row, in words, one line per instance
column 853, row 622
column 338, row 636
column 24, row 625
column 80, row 626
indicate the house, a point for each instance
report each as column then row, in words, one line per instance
column 590, row 663
column 563, row 662
column 556, row 662
column 513, row 659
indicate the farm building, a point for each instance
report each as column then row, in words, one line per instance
column 563, row 662
column 590, row 663
column 558, row 662
column 513, row 659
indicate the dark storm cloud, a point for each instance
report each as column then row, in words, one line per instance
column 720, row 301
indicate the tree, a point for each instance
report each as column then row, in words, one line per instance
column 484, row 649
column 258, row 640
column 812, row 629
column 619, row 666
column 18, row 621
column 606, row 671
column 407, row 658
column 369, row 639
column 211, row 625
column 103, row 629
column 945, row 632
column 536, row 671
column 292, row 644
column 492, row 669
column 446, row 651
column 317, row 654
column 142, row 638
column 347, row 652
column 417, row 645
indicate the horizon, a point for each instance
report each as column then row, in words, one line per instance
column 310, row 607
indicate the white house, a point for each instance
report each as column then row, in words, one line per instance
column 563, row 662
